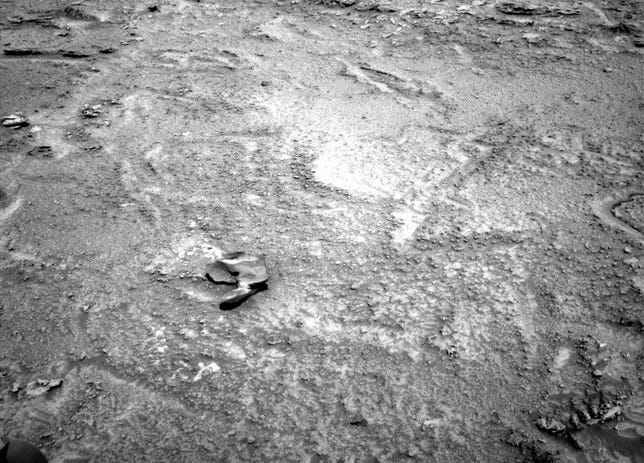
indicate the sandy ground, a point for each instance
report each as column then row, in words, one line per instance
column 449, row 197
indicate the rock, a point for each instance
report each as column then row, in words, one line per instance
column 188, row 333
column 519, row 7
column 41, row 386
column 386, row 8
column 249, row 270
column 246, row 270
column 205, row 369
column 532, row 38
column 74, row 54
column 90, row 111
column 233, row 298
column 21, row 51
column 15, row 121
column 532, row 448
column 550, row 425
column 578, row 441
column 19, row 451
column 612, row 413
column 358, row 420
column 341, row 3
column 153, row 8
column 217, row 273
column 43, row 151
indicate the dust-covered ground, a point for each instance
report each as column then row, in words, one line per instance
column 449, row 196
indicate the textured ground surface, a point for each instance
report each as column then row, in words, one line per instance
column 449, row 196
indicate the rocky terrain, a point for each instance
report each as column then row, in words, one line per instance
column 448, row 197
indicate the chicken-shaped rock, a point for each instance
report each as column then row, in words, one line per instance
column 247, row 271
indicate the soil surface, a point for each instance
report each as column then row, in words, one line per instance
column 448, row 197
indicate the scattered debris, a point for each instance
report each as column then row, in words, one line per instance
column 247, row 271
column 15, row 121
column 43, row 151
column 19, row 451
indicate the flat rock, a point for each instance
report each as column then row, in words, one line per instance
column 15, row 120
column 250, row 270
column 217, row 273
column 233, row 298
